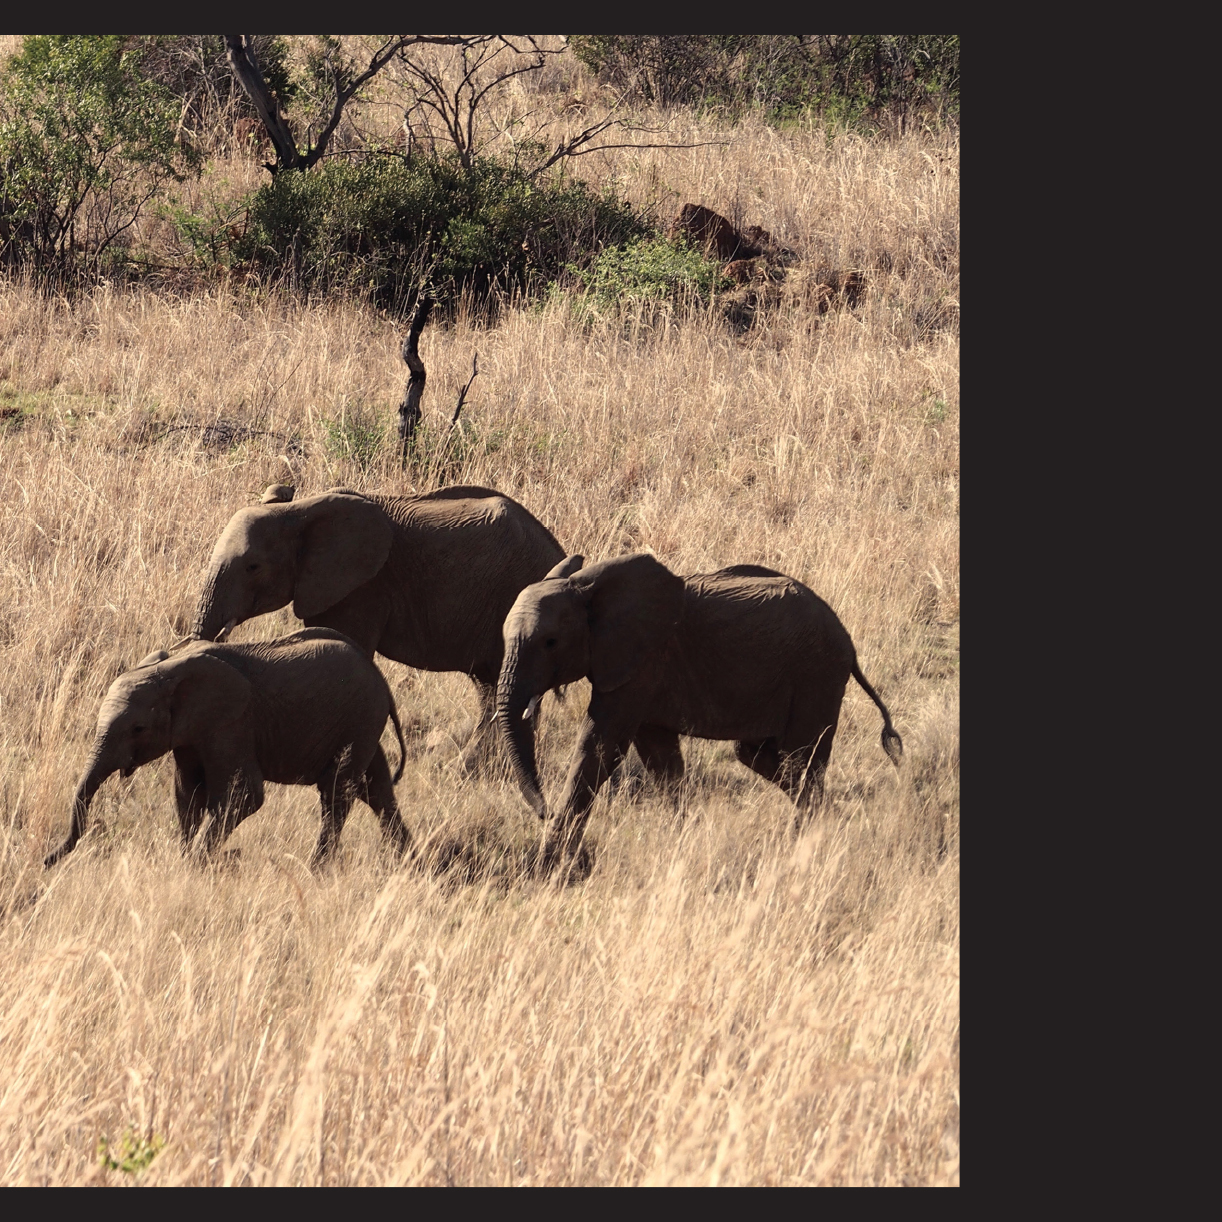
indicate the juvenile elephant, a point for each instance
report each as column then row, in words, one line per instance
column 306, row 709
column 425, row 580
column 745, row 653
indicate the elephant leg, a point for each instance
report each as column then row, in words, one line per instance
column 814, row 769
column 797, row 770
column 479, row 749
column 659, row 752
column 211, row 797
column 190, row 793
column 335, row 792
column 227, row 812
column 762, row 757
column 378, row 793
column 596, row 757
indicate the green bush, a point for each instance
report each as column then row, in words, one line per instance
column 852, row 79
column 383, row 226
column 85, row 142
column 356, row 437
column 651, row 269
column 133, row 1155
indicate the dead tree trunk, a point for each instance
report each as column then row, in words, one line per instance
column 409, row 409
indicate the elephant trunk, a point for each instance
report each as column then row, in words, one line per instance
column 213, row 618
column 97, row 770
column 513, row 699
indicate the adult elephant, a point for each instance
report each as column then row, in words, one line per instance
column 745, row 654
column 424, row 580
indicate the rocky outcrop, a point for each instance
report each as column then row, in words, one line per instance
column 714, row 234
column 763, row 272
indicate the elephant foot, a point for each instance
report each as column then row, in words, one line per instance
column 563, row 868
column 222, row 863
column 473, row 761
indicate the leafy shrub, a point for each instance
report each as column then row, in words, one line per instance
column 383, row 225
column 356, row 437
column 133, row 1155
column 85, row 141
column 651, row 269
column 849, row 78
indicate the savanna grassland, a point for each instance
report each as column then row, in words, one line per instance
column 718, row 1002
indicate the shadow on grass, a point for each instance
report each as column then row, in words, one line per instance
column 485, row 857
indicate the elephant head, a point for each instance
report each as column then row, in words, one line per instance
column 600, row 623
column 312, row 553
column 165, row 702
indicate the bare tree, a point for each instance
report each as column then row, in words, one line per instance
column 346, row 82
column 455, row 96
column 456, row 101
column 410, row 412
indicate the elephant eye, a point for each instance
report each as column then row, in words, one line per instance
column 250, row 568
column 139, row 729
column 550, row 643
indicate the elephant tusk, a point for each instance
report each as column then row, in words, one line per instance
column 532, row 708
column 225, row 631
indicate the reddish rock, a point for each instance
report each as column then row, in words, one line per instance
column 714, row 233
column 740, row 271
column 758, row 237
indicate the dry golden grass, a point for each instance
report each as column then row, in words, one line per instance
column 717, row 1003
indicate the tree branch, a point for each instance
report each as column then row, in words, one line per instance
column 462, row 394
column 573, row 147
column 242, row 59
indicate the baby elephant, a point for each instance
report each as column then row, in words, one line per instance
column 307, row 709
column 745, row 654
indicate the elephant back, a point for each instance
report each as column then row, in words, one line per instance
column 470, row 507
column 315, row 693
column 748, row 608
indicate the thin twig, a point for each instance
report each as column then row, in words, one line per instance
column 462, row 394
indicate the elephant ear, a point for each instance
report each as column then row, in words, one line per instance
column 566, row 568
column 208, row 698
column 633, row 603
column 345, row 543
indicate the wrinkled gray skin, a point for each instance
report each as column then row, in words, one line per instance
column 425, row 580
column 744, row 654
column 306, row 709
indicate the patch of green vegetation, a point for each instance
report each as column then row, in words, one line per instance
column 133, row 1155
column 842, row 80
column 651, row 269
column 208, row 236
column 357, row 436
column 85, row 140
column 446, row 453
column 21, row 407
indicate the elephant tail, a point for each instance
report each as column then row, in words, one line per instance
column 893, row 745
column 394, row 716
